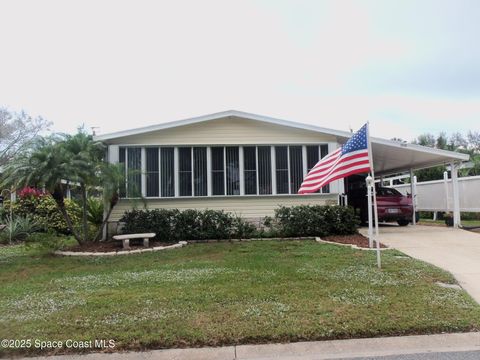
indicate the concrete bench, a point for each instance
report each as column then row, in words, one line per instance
column 127, row 237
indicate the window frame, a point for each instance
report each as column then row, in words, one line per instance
column 176, row 170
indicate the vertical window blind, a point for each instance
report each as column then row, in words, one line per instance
column 200, row 171
column 167, row 171
column 219, row 165
column 218, row 171
column 281, row 166
column 232, row 170
column 250, row 169
column 185, row 171
column 152, row 172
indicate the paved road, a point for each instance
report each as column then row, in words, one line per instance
column 455, row 250
column 463, row 355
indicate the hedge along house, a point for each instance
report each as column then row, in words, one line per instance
column 240, row 162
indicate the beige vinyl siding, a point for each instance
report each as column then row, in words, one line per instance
column 245, row 206
column 231, row 130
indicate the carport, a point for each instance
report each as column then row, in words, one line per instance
column 394, row 157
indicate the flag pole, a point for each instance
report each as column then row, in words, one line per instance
column 368, row 182
column 375, row 208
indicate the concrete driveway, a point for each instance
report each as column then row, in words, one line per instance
column 457, row 251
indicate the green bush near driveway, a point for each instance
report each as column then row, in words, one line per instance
column 315, row 220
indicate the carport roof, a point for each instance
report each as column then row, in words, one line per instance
column 389, row 156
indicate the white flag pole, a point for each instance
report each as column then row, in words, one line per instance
column 375, row 209
column 370, row 155
column 369, row 181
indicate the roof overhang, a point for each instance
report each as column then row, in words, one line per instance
column 389, row 156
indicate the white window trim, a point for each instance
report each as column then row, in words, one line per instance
column 241, row 169
column 274, row 170
column 143, row 169
column 176, row 168
column 333, row 189
column 209, row 171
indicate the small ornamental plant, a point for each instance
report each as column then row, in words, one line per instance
column 30, row 192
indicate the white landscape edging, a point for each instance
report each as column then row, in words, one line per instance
column 317, row 239
column 125, row 252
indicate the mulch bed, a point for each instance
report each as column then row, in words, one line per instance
column 356, row 239
column 109, row 246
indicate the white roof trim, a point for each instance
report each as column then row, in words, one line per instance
column 216, row 116
column 420, row 148
column 230, row 113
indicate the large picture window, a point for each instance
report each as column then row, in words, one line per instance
column 186, row 171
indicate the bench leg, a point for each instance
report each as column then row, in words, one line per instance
column 126, row 243
column 145, row 242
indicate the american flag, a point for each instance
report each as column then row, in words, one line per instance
column 352, row 158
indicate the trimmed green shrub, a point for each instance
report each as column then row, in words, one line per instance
column 296, row 221
column 313, row 220
column 175, row 225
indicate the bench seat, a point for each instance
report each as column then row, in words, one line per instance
column 125, row 238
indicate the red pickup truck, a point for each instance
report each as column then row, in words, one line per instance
column 391, row 204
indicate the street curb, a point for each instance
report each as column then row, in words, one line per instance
column 312, row 350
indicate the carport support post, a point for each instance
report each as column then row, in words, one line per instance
column 413, row 191
column 456, row 197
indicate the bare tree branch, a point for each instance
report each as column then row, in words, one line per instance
column 17, row 130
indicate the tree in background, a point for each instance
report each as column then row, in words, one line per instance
column 53, row 162
column 469, row 144
column 17, row 131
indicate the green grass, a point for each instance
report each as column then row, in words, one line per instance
column 225, row 293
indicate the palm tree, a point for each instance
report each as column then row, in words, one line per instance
column 112, row 177
column 45, row 164
column 55, row 161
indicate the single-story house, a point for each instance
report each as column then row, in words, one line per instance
column 241, row 162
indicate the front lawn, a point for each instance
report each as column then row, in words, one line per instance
column 225, row 293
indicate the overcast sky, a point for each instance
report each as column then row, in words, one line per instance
column 406, row 66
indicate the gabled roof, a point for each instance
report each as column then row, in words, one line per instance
column 389, row 156
column 216, row 116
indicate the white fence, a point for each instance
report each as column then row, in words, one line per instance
column 437, row 195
